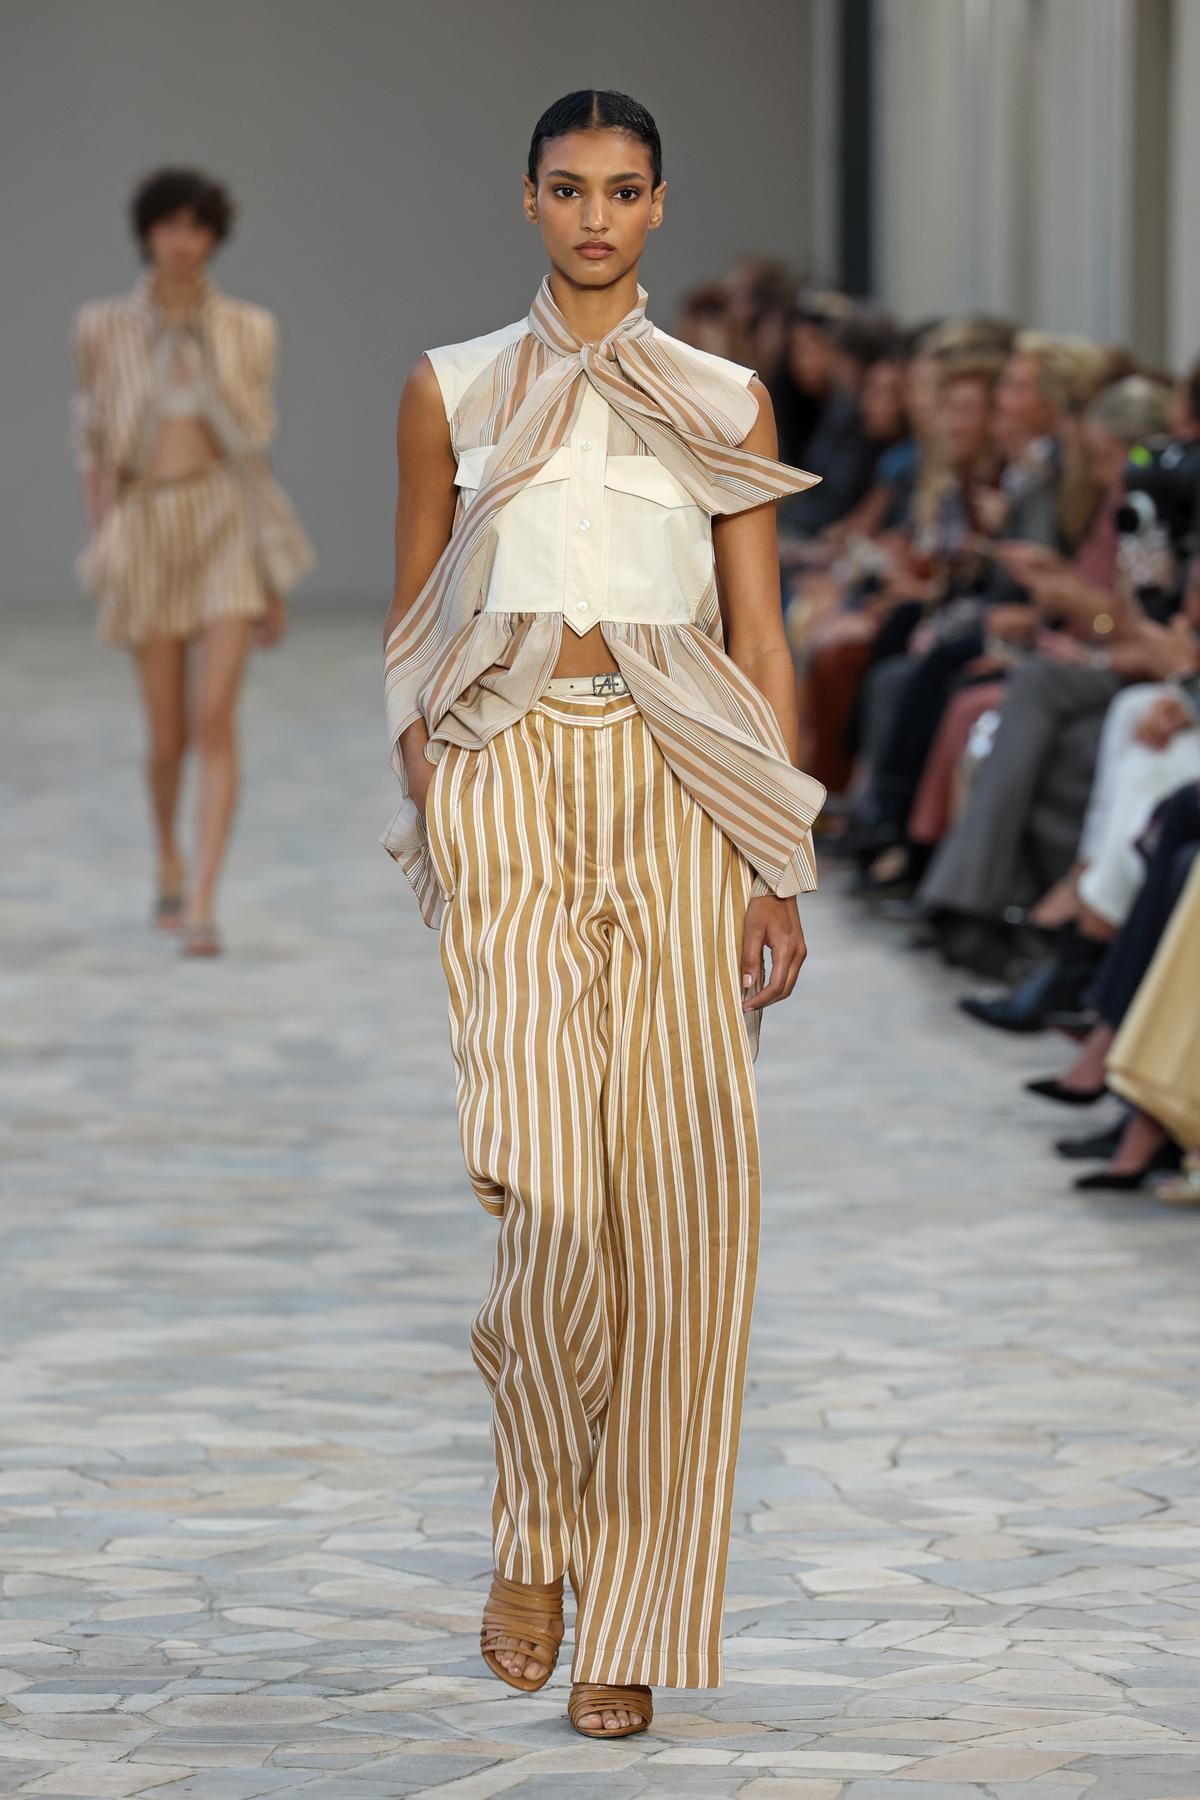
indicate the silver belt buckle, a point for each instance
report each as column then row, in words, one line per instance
column 608, row 683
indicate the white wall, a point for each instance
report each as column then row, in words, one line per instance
column 1183, row 290
column 920, row 167
column 1037, row 158
column 376, row 150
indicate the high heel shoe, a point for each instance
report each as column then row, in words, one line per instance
column 593, row 1697
column 1049, row 1088
column 1056, row 986
column 513, row 1611
column 1166, row 1159
column 1097, row 1146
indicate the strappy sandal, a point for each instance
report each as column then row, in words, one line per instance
column 200, row 938
column 513, row 1611
column 168, row 912
column 592, row 1697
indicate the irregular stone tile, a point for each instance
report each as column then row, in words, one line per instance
column 105, row 1780
column 244, row 1451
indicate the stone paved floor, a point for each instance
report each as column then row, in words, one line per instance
column 246, row 1462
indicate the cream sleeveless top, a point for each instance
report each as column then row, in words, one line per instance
column 604, row 530
column 588, row 474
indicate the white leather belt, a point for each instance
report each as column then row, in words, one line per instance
column 598, row 687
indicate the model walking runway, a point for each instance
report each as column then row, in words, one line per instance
column 591, row 706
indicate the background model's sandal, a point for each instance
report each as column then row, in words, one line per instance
column 168, row 911
column 515, row 1612
column 591, row 1697
column 200, row 938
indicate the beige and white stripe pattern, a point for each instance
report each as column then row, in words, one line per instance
column 591, row 942
column 113, row 344
column 172, row 557
column 442, row 664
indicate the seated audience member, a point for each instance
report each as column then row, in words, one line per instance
column 878, row 616
column 703, row 319
column 1154, row 1061
column 1172, row 856
column 883, row 419
column 804, row 382
column 839, row 450
column 760, row 291
column 1019, row 830
column 1033, row 500
column 941, row 570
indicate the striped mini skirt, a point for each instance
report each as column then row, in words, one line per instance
column 172, row 556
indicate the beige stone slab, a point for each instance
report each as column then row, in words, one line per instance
column 987, row 1764
column 788, row 1789
column 851, row 1762
column 106, row 1780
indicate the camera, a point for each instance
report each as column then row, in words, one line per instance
column 1162, row 489
column 1157, row 521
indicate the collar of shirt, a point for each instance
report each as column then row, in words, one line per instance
column 143, row 302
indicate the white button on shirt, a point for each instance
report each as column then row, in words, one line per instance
column 595, row 535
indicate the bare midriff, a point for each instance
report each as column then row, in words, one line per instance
column 181, row 447
column 586, row 655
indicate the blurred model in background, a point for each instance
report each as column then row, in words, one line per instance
column 193, row 542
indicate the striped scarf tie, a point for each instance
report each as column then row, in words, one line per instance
column 691, row 416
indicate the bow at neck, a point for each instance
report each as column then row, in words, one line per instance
column 547, row 323
column 144, row 301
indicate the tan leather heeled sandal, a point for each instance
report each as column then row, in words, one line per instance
column 592, row 1697
column 513, row 1611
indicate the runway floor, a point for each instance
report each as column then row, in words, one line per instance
column 245, row 1465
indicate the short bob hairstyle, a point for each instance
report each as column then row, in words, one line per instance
column 170, row 191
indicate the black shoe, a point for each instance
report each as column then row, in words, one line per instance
column 983, row 946
column 1097, row 1146
column 1049, row 1088
column 907, row 912
column 1056, row 985
column 1165, row 1160
column 1005, row 1014
column 1076, row 1025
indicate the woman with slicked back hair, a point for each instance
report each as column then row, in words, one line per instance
column 592, row 714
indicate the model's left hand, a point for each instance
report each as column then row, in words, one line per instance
column 273, row 624
column 773, row 925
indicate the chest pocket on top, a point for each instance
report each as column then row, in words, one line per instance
column 472, row 466
column 658, row 540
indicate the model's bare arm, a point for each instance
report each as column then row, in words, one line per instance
column 748, row 582
column 747, row 556
column 424, row 516
column 98, row 488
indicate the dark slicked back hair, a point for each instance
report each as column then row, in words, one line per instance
column 169, row 191
column 596, row 109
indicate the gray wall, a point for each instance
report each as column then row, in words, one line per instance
column 376, row 149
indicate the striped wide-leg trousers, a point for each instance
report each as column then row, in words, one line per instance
column 591, row 939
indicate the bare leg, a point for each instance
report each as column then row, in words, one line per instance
column 1087, row 1071
column 1059, row 904
column 1141, row 1138
column 1092, row 925
column 162, row 673
column 223, row 649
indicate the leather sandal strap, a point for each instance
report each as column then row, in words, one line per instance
column 594, row 1697
column 513, row 1611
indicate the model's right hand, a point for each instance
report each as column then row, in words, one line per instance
column 418, row 770
column 418, row 773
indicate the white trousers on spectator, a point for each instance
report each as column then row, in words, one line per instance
column 1130, row 781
